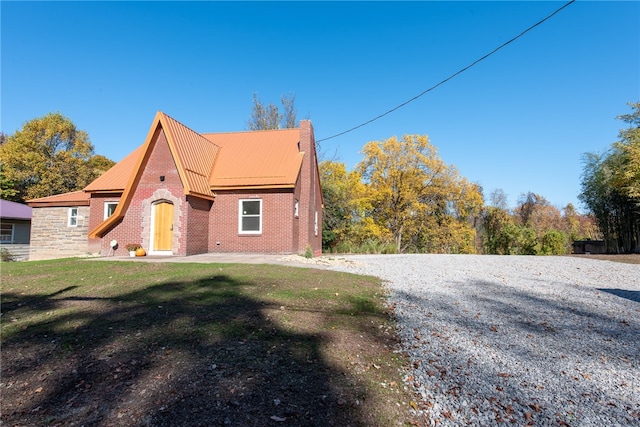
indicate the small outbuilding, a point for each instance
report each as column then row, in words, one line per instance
column 15, row 223
column 15, row 228
column 589, row 247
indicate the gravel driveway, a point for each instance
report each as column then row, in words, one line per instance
column 549, row 341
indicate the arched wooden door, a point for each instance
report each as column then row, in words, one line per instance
column 163, row 227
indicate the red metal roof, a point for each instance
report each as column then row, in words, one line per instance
column 267, row 159
column 74, row 198
column 116, row 179
column 194, row 156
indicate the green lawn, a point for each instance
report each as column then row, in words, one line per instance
column 137, row 343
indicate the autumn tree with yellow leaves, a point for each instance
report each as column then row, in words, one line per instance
column 425, row 205
column 403, row 198
column 342, row 191
column 48, row 156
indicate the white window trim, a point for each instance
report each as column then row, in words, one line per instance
column 240, row 216
column 11, row 237
column 315, row 224
column 106, row 208
column 71, row 217
column 296, row 209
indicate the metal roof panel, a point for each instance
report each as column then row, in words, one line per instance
column 194, row 155
column 116, row 178
column 74, row 198
column 14, row 210
column 259, row 158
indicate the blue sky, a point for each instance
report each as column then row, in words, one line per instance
column 519, row 120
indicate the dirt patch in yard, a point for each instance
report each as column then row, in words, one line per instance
column 625, row 258
column 120, row 344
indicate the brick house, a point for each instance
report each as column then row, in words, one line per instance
column 184, row 193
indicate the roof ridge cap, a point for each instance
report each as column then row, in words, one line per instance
column 51, row 195
column 186, row 127
column 251, row 131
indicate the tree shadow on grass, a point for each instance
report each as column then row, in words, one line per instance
column 178, row 353
column 12, row 301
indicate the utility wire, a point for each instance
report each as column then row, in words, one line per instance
column 451, row 76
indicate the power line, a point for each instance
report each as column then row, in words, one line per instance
column 451, row 76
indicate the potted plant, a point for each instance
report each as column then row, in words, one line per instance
column 132, row 248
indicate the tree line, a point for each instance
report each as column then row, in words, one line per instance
column 611, row 187
column 403, row 198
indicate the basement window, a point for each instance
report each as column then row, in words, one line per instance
column 250, row 216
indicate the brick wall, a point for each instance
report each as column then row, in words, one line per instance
column 97, row 207
column 295, row 244
column 136, row 226
column 310, row 193
column 277, row 223
column 51, row 236
column 197, row 235
column 282, row 232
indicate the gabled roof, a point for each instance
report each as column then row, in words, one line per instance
column 264, row 159
column 216, row 161
column 13, row 210
column 74, row 198
column 193, row 154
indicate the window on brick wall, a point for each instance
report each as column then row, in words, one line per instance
column 250, row 216
column 73, row 217
column 296, row 209
column 109, row 209
column 315, row 224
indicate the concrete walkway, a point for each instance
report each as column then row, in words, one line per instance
column 227, row 258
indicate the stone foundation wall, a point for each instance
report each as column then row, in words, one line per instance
column 52, row 237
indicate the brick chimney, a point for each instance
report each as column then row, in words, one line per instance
column 310, row 193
